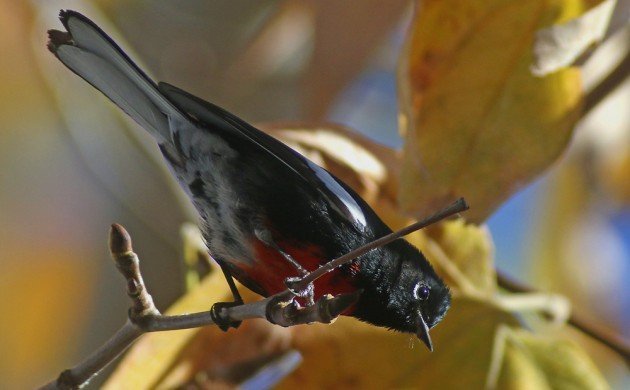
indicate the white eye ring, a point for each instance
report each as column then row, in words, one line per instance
column 421, row 291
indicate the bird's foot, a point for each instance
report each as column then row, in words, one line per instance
column 308, row 292
column 220, row 318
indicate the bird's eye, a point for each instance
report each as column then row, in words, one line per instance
column 422, row 292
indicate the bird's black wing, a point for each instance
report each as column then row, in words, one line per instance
column 221, row 120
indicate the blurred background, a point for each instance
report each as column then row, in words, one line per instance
column 72, row 165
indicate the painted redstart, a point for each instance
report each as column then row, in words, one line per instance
column 266, row 212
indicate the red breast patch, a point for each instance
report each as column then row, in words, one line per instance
column 272, row 268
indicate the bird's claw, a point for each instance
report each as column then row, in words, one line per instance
column 221, row 320
column 308, row 292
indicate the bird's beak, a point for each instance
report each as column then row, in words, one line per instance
column 423, row 332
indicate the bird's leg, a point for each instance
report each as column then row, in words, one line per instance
column 309, row 293
column 265, row 237
column 215, row 311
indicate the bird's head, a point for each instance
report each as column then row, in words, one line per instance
column 402, row 291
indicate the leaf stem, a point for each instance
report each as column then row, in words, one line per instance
column 610, row 339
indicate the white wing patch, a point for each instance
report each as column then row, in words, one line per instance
column 341, row 193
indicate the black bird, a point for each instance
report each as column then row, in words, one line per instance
column 266, row 212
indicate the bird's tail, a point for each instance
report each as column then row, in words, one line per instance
column 90, row 53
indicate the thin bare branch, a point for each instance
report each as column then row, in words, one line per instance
column 613, row 80
column 144, row 317
column 301, row 284
column 80, row 374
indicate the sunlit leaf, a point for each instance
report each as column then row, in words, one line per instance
column 477, row 123
column 540, row 362
column 349, row 353
column 467, row 247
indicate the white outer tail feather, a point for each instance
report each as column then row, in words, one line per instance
column 93, row 57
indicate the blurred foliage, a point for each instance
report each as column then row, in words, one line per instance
column 614, row 175
column 476, row 123
column 48, row 306
column 45, row 284
column 532, row 362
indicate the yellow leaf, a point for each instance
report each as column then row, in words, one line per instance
column 538, row 362
column 467, row 247
column 352, row 354
column 476, row 122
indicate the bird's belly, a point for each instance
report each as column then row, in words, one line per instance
column 224, row 222
column 224, row 209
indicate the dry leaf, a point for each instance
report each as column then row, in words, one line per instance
column 213, row 357
column 476, row 122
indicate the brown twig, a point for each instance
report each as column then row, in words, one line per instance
column 458, row 206
column 280, row 309
column 144, row 317
column 604, row 336
column 613, row 80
